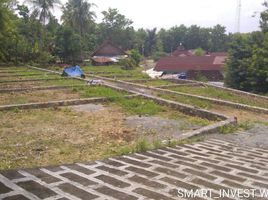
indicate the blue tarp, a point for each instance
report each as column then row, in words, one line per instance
column 73, row 71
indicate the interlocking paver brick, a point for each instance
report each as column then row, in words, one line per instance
column 53, row 168
column 182, row 158
column 133, row 162
column 113, row 163
column 206, row 159
column 208, row 184
column 142, row 171
column 170, row 172
column 42, row 175
column 115, row 193
column 139, row 157
column 146, row 182
column 201, row 174
column 165, row 164
column 156, row 174
column 12, row 174
column 37, row 189
column 151, row 195
column 81, row 169
column 182, row 163
column 242, row 168
column 178, row 183
column 16, row 197
column 229, row 160
column 253, row 176
column 78, row 179
column 112, row 170
column 232, row 184
column 177, row 152
column 4, row 188
column 262, row 185
column 157, row 156
column 75, row 191
column 229, row 176
column 218, row 167
column 112, row 181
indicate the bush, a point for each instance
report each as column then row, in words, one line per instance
column 199, row 52
column 45, row 58
column 128, row 63
column 135, row 56
column 158, row 54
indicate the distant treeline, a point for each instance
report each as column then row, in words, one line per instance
column 33, row 34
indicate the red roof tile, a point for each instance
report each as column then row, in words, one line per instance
column 174, row 64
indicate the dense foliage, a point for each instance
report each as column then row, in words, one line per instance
column 33, row 34
column 247, row 66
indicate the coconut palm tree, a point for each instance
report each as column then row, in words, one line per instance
column 78, row 15
column 42, row 8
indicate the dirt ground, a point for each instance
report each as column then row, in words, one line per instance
column 37, row 96
column 30, row 138
column 21, row 85
column 49, row 137
column 159, row 126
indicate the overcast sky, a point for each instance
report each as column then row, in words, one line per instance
column 167, row 13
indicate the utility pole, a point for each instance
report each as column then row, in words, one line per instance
column 238, row 16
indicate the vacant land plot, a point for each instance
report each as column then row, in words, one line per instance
column 81, row 133
column 242, row 115
column 115, row 71
column 52, row 95
column 18, row 78
column 29, row 84
column 213, row 92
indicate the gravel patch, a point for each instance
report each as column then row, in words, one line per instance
column 255, row 137
column 155, row 125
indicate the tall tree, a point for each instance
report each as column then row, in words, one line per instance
column 8, row 34
column 117, row 27
column 43, row 8
column 78, row 15
column 150, row 41
column 264, row 18
column 218, row 38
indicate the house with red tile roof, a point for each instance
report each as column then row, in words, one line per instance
column 210, row 65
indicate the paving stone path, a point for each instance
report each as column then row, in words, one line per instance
column 157, row 174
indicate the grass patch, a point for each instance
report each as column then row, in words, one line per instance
column 157, row 83
column 98, row 91
column 229, row 129
column 114, row 70
column 43, row 76
column 139, row 106
column 222, row 94
column 187, row 100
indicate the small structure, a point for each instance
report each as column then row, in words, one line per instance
column 108, row 53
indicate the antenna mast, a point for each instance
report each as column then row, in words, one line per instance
column 238, row 15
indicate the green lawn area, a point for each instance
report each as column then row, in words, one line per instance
column 114, row 70
column 222, row 94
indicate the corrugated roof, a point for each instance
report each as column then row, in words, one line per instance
column 102, row 59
